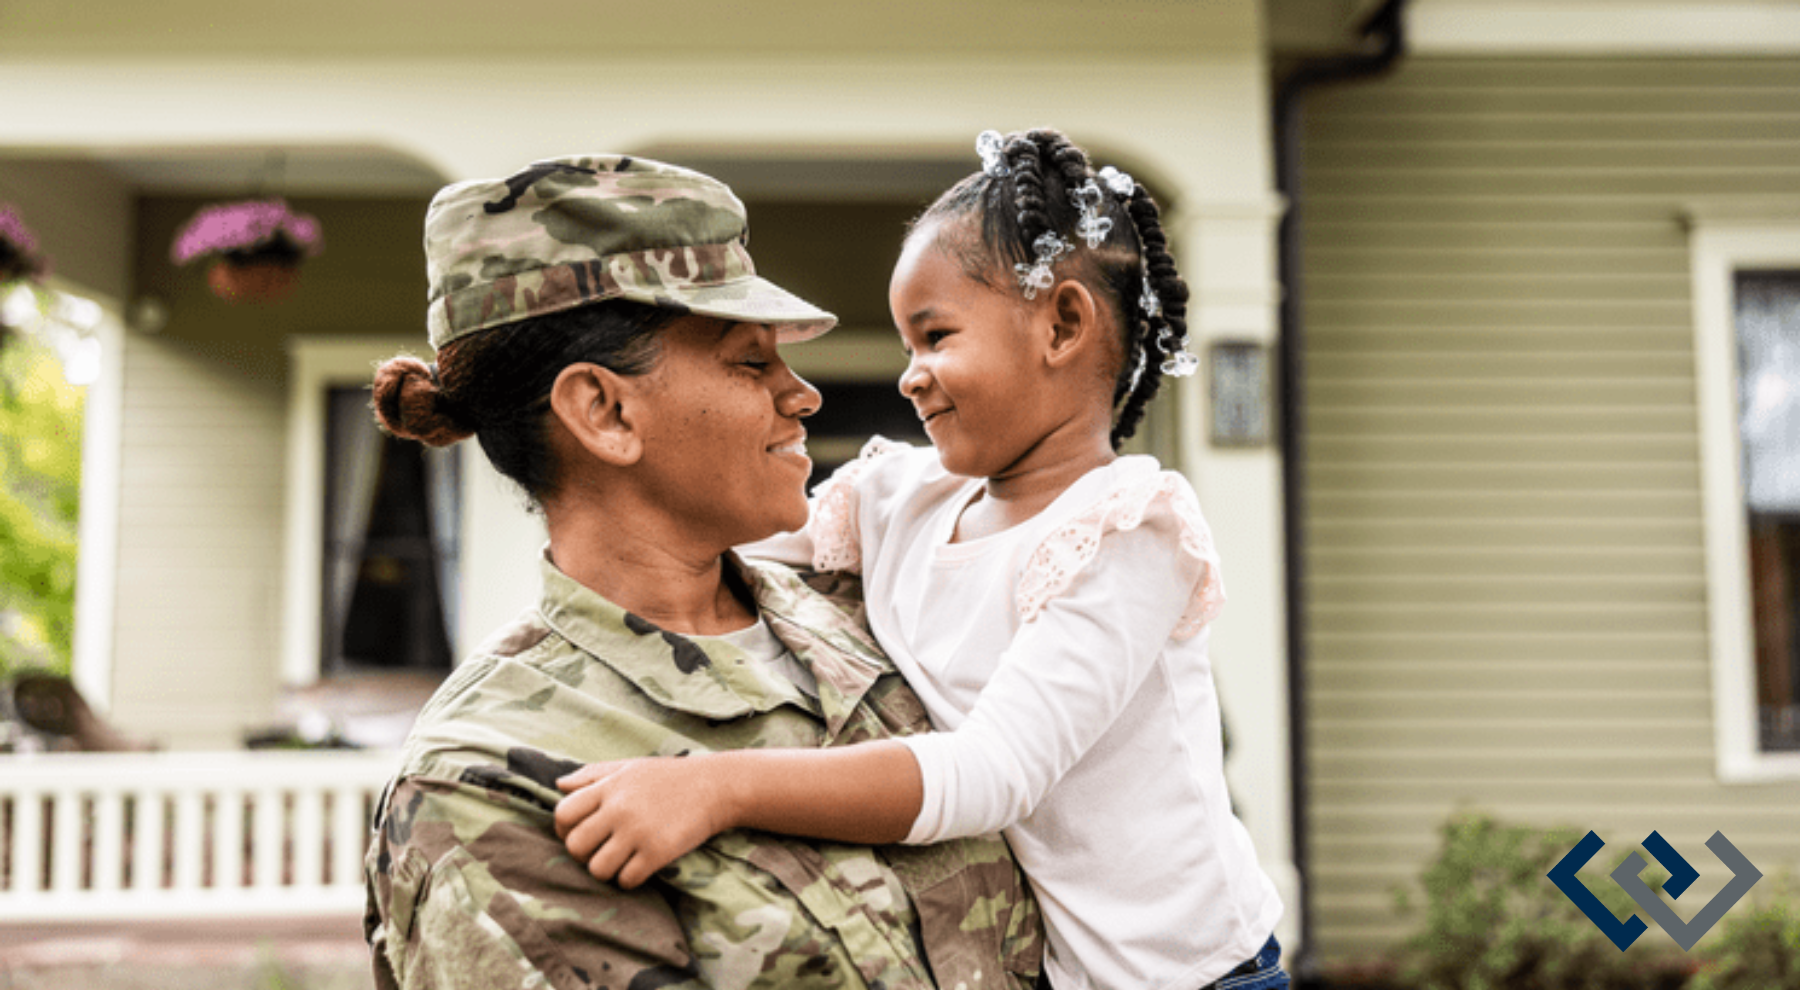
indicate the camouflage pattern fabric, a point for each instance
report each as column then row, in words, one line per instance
column 573, row 231
column 469, row 887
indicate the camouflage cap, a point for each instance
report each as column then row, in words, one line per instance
column 572, row 231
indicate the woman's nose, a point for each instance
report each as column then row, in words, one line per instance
column 798, row 399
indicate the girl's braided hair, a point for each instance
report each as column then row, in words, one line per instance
column 1035, row 196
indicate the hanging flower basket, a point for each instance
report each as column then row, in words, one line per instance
column 19, row 257
column 253, row 279
column 256, row 247
column 21, row 268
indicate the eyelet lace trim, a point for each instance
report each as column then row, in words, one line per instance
column 1062, row 555
column 837, row 543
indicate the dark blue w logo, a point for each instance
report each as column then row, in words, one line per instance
column 1681, row 876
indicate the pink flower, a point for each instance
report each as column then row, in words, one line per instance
column 254, row 226
column 19, row 256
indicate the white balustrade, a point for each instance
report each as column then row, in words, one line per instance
column 96, row 836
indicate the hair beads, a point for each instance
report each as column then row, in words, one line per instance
column 1087, row 198
column 1020, row 219
column 1035, row 277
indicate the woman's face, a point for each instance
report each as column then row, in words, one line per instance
column 724, row 448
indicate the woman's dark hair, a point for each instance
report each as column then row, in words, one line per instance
column 495, row 385
column 1035, row 197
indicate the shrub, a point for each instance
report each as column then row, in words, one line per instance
column 1756, row 947
column 40, row 498
column 1494, row 921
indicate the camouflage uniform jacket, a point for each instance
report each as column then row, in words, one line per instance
column 469, row 886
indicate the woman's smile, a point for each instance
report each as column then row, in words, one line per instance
column 793, row 450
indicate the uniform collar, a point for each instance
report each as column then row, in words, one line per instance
column 711, row 678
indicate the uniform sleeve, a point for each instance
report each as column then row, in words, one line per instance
column 1125, row 578
column 833, row 535
column 469, row 887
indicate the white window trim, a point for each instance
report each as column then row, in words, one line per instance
column 1723, row 240
column 315, row 365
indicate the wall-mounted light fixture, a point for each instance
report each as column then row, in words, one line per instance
column 1239, row 386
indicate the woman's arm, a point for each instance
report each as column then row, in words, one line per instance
column 630, row 818
column 454, row 874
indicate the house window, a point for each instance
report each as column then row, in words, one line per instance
column 1745, row 259
column 1767, row 318
column 390, row 552
column 850, row 412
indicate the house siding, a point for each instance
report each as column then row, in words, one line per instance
column 200, row 529
column 1506, row 600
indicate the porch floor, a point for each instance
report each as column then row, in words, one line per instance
column 260, row 954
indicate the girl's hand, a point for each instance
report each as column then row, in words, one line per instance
column 629, row 818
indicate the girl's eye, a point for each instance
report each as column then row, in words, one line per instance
column 935, row 337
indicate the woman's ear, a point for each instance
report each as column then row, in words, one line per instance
column 593, row 403
column 1074, row 316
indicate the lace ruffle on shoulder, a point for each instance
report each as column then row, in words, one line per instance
column 837, row 543
column 1069, row 548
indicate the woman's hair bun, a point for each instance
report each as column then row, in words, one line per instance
column 410, row 403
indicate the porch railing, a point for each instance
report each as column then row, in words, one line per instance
column 185, row 835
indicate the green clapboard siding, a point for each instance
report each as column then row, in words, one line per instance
column 1507, row 605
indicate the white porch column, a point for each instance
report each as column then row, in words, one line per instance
column 1227, row 251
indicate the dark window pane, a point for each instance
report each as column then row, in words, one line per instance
column 850, row 412
column 1768, row 330
column 390, row 553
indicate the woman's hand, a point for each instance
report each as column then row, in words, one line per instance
column 629, row 818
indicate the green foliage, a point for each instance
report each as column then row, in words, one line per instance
column 272, row 974
column 40, row 497
column 1494, row 921
column 1756, row 947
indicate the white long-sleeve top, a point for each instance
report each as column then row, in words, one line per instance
column 1064, row 661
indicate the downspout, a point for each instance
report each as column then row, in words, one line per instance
column 1385, row 31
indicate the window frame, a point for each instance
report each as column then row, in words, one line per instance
column 317, row 364
column 1725, row 239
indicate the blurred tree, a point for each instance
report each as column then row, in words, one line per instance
column 40, row 497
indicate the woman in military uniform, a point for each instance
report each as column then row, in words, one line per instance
column 600, row 330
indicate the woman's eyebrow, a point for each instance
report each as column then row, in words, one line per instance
column 731, row 328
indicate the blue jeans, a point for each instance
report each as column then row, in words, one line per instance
column 1262, row 973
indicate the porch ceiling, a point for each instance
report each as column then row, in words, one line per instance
column 204, row 31
column 466, row 28
column 298, row 171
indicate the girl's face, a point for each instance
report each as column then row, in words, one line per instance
column 724, row 446
column 973, row 374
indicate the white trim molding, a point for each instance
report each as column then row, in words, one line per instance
column 1723, row 241
column 97, row 564
column 1603, row 27
column 1227, row 246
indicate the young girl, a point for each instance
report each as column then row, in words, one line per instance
column 1046, row 598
